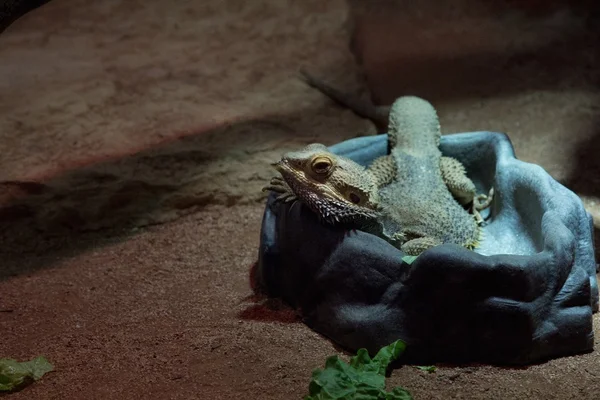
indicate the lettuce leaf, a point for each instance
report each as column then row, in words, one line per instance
column 409, row 259
column 363, row 378
column 15, row 375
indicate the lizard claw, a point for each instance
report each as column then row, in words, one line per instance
column 483, row 201
column 478, row 218
column 285, row 197
column 279, row 185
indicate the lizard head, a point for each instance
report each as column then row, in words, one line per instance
column 336, row 188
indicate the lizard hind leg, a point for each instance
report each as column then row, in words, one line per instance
column 462, row 188
column 416, row 246
column 456, row 180
column 481, row 202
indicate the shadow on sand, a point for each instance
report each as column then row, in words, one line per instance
column 95, row 205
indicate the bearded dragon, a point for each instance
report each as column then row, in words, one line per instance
column 413, row 197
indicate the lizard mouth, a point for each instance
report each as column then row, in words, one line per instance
column 325, row 201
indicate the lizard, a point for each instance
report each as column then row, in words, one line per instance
column 413, row 197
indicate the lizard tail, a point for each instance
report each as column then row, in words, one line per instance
column 377, row 114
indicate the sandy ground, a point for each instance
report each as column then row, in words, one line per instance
column 145, row 132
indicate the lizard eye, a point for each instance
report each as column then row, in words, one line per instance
column 354, row 198
column 321, row 165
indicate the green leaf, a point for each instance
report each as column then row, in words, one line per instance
column 388, row 354
column 398, row 394
column 429, row 368
column 15, row 375
column 409, row 259
column 363, row 378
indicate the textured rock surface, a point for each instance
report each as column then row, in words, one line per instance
column 525, row 295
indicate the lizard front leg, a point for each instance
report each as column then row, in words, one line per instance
column 416, row 246
column 413, row 242
column 279, row 185
column 462, row 188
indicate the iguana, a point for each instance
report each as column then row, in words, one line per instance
column 413, row 197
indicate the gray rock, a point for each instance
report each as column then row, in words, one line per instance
column 526, row 295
